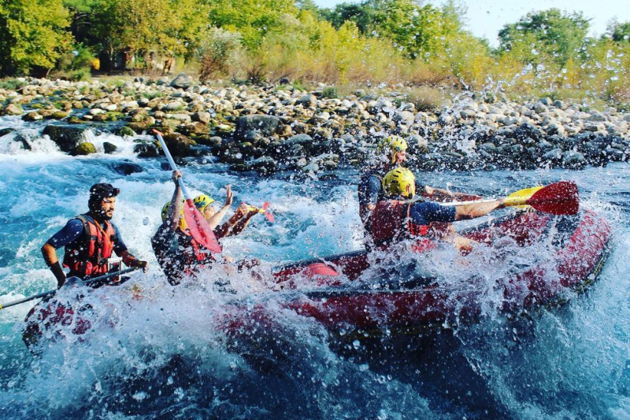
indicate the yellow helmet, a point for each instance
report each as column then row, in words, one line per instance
column 202, row 201
column 182, row 220
column 396, row 181
column 392, row 145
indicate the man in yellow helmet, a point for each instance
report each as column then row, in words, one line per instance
column 399, row 217
column 392, row 153
column 177, row 252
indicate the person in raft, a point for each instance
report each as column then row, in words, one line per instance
column 177, row 252
column 391, row 153
column 401, row 216
column 89, row 240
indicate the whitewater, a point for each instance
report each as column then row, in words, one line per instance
column 167, row 354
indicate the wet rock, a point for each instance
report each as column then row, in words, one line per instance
column 127, row 168
column 146, row 149
column 109, row 148
column 67, row 137
column 265, row 125
column 178, row 144
column 85, row 148
column 126, row 131
column 572, row 159
column 5, row 131
column 553, row 155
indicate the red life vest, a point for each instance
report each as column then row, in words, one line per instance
column 88, row 256
column 390, row 222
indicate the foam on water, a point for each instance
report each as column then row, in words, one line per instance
column 171, row 352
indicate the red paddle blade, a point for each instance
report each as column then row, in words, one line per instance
column 560, row 198
column 268, row 214
column 199, row 228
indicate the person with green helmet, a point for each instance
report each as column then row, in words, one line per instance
column 391, row 153
column 398, row 216
column 177, row 252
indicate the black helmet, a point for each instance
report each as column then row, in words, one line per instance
column 98, row 192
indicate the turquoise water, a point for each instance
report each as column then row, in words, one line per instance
column 169, row 357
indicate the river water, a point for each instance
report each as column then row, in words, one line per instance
column 165, row 355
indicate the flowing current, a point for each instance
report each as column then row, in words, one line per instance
column 162, row 351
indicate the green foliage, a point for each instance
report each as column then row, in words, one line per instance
column 330, row 92
column 559, row 35
column 253, row 19
column 32, row 35
column 620, row 32
column 217, row 52
column 418, row 31
column 12, row 84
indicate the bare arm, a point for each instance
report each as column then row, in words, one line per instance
column 50, row 256
column 470, row 211
column 239, row 221
column 218, row 216
column 175, row 209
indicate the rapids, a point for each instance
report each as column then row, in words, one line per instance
column 168, row 355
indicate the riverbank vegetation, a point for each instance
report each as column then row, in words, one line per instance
column 376, row 42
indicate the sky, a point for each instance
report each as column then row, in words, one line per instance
column 484, row 18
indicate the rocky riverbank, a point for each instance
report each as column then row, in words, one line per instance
column 276, row 128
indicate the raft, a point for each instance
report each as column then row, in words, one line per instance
column 577, row 247
column 340, row 293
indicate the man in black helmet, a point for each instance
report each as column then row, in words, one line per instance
column 89, row 240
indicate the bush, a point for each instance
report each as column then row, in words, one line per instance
column 217, row 53
column 330, row 92
column 425, row 98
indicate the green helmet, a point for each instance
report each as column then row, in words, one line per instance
column 397, row 181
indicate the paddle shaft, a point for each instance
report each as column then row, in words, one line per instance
column 173, row 166
column 198, row 226
column 52, row 292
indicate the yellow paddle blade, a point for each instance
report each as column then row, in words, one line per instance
column 520, row 197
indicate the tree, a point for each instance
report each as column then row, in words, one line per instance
column 253, row 19
column 33, row 35
column 620, row 32
column 558, row 34
column 143, row 28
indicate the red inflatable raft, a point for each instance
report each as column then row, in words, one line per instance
column 341, row 294
column 577, row 245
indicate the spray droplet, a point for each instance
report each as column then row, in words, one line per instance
column 145, row 221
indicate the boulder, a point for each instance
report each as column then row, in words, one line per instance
column 67, row 137
column 5, row 131
column 182, row 81
column 266, row 125
column 146, row 149
column 178, row 144
column 13, row 109
column 85, row 148
column 109, row 148
column 127, row 168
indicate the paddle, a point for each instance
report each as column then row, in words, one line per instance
column 197, row 224
column 560, row 198
column 264, row 209
column 52, row 292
